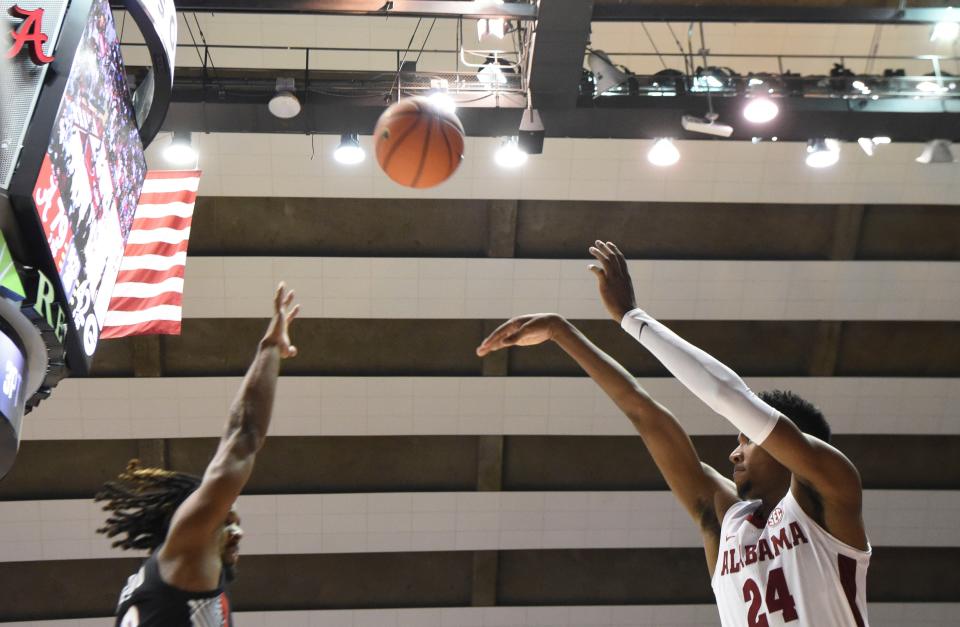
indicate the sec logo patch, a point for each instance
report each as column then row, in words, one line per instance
column 775, row 518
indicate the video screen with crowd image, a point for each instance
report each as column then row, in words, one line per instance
column 91, row 177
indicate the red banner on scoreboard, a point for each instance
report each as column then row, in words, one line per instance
column 56, row 222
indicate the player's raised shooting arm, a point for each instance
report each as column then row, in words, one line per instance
column 700, row 489
column 814, row 462
column 203, row 513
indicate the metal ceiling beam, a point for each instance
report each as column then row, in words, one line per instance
column 621, row 117
column 400, row 8
column 881, row 12
column 774, row 11
column 562, row 33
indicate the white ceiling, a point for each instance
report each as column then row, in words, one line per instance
column 250, row 164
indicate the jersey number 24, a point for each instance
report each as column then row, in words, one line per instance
column 778, row 599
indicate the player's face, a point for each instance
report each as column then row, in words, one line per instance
column 754, row 470
column 230, row 539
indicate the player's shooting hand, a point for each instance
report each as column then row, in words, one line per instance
column 616, row 288
column 284, row 312
column 528, row 330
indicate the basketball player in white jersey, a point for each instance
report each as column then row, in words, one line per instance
column 784, row 540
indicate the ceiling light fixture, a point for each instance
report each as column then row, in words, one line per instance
column 760, row 110
column 946, row 30
column 823, row 153
column 509, row 155
column 491, row 27
column 349, row 151
column 869, row 144
column 663, row 153
column 937, row 151
column 491, row 73
column 180, row 151
column 284, row 104
column 440, row 95
column 930, row 87
column 606, row 75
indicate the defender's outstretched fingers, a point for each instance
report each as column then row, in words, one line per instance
column 293, row 313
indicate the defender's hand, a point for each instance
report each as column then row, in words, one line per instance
column 616, row 288
column 283, row 314
column 528, row 330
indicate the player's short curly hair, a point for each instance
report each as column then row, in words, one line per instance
column 141, row 502
column 801, row 412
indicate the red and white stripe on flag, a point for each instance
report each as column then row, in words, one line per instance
column 148, row 296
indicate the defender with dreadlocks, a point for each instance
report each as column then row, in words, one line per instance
column 189, row 524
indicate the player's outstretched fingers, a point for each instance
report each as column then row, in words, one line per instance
column 603, row 258
column 496, row 340
column 618, row 256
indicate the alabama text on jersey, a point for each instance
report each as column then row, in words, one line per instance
column 787, row 570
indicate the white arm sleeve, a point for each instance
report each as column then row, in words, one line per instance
column 712, row 382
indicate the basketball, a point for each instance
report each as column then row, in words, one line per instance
column 418, row 144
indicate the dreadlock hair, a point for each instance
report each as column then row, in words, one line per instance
column 802, row 413
column 141, row 502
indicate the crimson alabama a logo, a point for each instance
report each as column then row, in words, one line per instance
column 29, row 35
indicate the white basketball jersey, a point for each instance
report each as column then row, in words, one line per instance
column 786, row 570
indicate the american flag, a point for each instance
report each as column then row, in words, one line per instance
column 148, row 296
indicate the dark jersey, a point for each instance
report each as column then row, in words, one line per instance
column 146, row 601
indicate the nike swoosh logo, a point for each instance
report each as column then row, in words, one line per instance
column 731, row 538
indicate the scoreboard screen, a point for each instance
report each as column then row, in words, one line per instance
column 90, row 178
column 12, row 363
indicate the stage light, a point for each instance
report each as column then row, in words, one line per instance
column 493, row 27
column 946, row 30
column 443, row 101
column 937, row 151
column 440, row 95
column 509, row 155
column 491, row 73
column 663, row 153
column 760, row 110
column 349, row 151
column 930, row 87
column 823, row 153
column 869, row 144
column 606, row 76
column 180, row 151
column 284, row 104
column 711, row 79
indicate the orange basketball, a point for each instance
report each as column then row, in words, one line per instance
column 418, row 144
